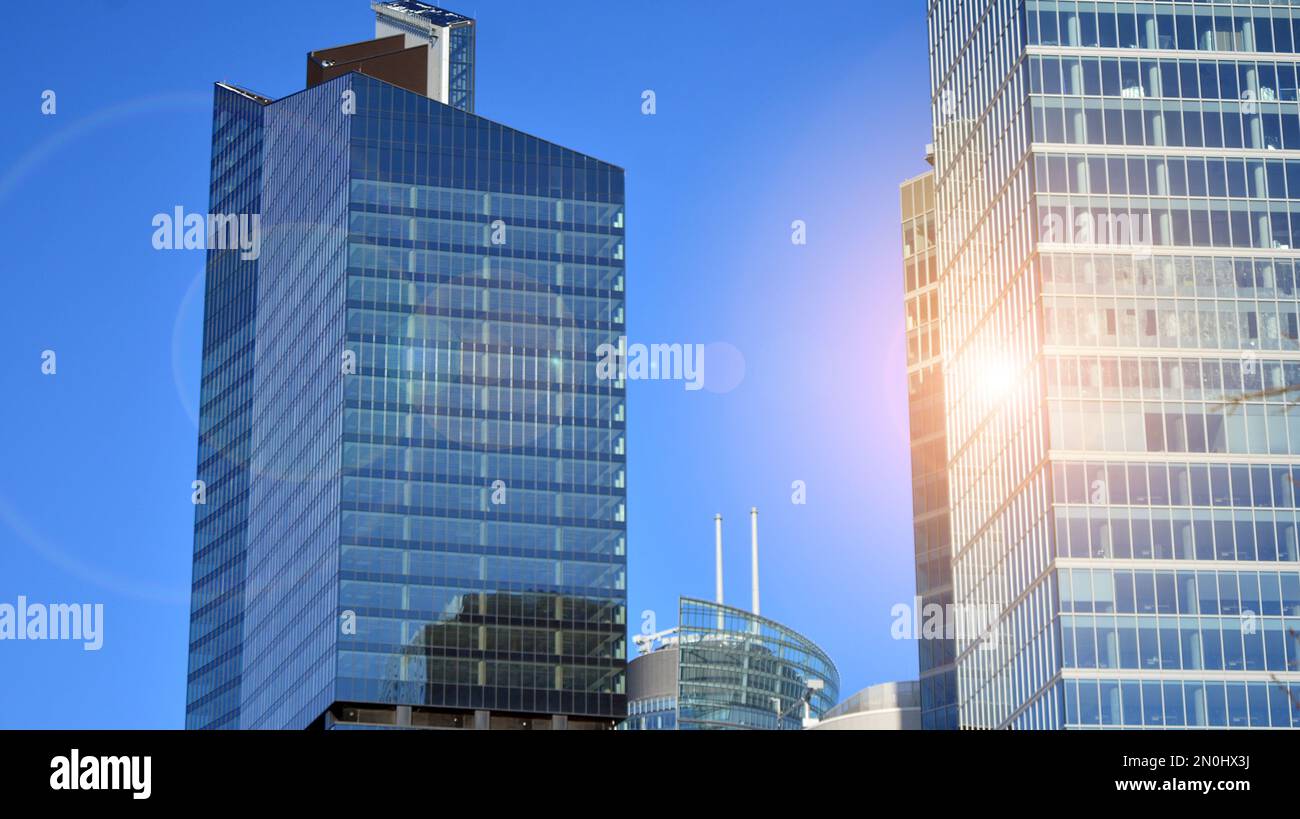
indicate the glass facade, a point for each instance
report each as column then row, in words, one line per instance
column 436, row 512
column 930, row 527
column 1113, row 187
column 737, row 670
column 292, row 564
column 230, row 301
column 461, row 65
column 654, row 714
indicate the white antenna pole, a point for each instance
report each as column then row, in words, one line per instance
column 717, row 530
column 753, row 537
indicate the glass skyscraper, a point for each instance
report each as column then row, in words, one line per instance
column 1117, row 190
column 930, row 525
column 415, row 481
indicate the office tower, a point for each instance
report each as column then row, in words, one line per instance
column 1117, row 186
column 415, row 481
column 930, row 527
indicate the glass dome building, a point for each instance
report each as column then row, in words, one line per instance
column 725, row 668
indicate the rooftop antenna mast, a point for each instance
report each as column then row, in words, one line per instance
column 753, row 540
column 717, row 538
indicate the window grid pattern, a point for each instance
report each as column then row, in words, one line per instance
column 1153, row 126
column 738, row 671
column 988, row 301
column 290, row 622
column 230, row 296
column 938, row 679
column 483, row 494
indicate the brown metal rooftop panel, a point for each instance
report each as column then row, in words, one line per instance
column 385, row 59
column 359, row 51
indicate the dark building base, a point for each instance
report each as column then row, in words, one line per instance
column 343, row 716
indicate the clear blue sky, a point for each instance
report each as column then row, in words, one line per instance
column 767, row 112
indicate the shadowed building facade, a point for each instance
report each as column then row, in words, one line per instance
column 930, row 524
